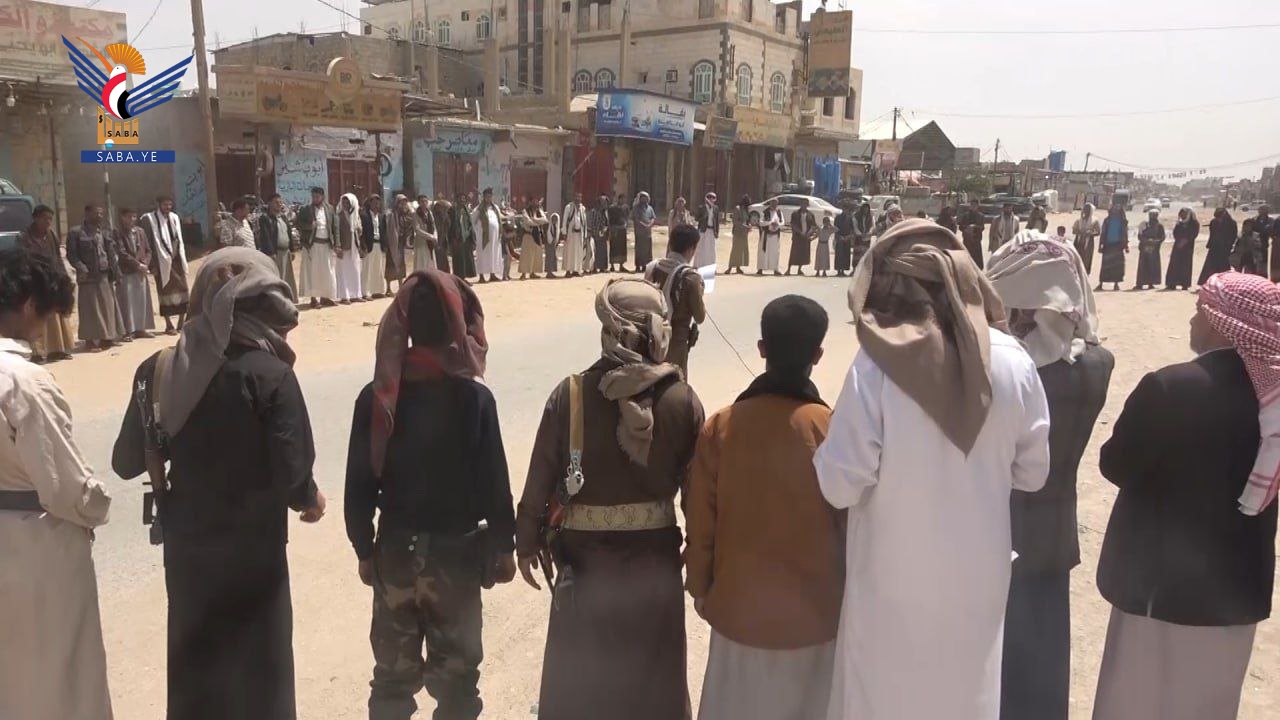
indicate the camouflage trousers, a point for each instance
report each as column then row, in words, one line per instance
column 427, row 592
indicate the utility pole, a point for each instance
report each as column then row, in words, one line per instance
column 996, row 160
column 1086, row 161
column 896, row 112
column 206, row 117
column 624, row 46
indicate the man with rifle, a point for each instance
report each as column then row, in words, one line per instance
column 610, row 455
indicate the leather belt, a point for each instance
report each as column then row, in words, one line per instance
column 620, row 518
column 20, row 500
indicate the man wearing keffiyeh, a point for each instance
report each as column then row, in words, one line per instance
column 1045, row 286
column 616, row 639
column 1188, row 562
column 426, row 453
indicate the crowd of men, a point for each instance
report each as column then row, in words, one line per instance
column 114, row 268
column 853, row 561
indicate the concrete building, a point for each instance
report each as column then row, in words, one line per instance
column 40, row 102
column 743, row 59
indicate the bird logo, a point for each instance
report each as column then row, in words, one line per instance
column 110, row 88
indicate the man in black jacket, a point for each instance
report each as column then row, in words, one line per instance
column 426, row 454
column 1188, row 562
column 277, row 239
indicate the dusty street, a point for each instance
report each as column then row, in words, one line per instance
column 540, row 331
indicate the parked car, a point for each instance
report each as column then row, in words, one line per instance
column 993, row 206
column 790, row 203
column 1165, row 201
column 1151, row 204
column 15, row 216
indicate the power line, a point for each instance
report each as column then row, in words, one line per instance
column 1034, row 32
column 1195, row 168
column 1030, row 32
column 147, row 24
column 1076, row 116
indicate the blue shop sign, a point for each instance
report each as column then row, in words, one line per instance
column 644, row 115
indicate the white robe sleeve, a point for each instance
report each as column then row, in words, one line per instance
column 848, row 462
column 41, row 421
column 1031, row 457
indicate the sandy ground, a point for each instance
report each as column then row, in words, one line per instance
column 540, row 331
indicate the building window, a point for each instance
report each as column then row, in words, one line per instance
column 748, row 10
column 851, row 105
column 778, row 92
column 704, row 74
column 602, row 21
column 604, row 78
column 582, row 82
column 780, row 22
column 828, row 107
column 744, row 84
column 483, row 28
column 706, row 8
column 393, row 32
column 584, row 16
column 419, row 32
column 443, row 36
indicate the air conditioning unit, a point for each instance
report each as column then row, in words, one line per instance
column 673, row 75
column 502, row 13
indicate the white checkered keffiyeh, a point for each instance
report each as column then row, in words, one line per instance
column 1246, row 310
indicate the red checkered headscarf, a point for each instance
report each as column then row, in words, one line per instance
column 394, row 360
column 1245, row 309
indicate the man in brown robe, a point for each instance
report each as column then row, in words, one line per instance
column 93, row 255
column 616, row 641
column 58, row 339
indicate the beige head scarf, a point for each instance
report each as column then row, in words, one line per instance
column 923, row 312
column 634, row 332
column 1047, row 278
column 237, row 298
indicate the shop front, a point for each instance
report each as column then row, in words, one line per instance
column 760, row 163
column 649, row 134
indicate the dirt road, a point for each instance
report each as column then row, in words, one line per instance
column 540, row 331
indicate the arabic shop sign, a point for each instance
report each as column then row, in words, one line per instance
column 721, row 133
column 649, row 116
column 459, row 142
column 31, row 38
column 260, row 94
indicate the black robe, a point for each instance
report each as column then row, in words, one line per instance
column 242, row 460
column 1184, row 247
column 1036, row 679
column 1222, row 238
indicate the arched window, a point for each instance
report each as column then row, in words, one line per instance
column 778, row 93
column 443, row 36
column 704, row 74
column 744, row 84
column 419, row 32
column 482, row 27
column 582, row 82
column 604, row 78
column 393, row 32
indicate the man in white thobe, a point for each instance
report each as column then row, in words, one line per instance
column 708, row 219
column 486, row 219
column 52, row 660
column 942, row 415
column 574, row 232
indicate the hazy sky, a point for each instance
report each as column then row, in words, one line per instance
column 1001, row 75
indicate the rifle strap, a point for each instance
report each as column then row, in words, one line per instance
column 159, row 376
column 574, row 480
